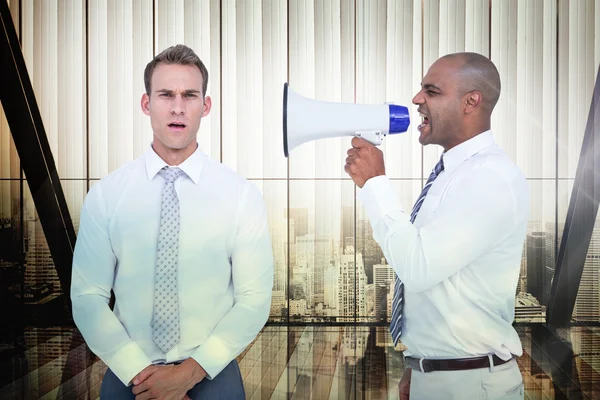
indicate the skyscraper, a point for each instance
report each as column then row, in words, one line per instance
column 587, row 304
column 300, row 218
column 352, row 288
column 347, row 238
column 368, row 247
column 536, row 263
column 305, row 258
column 383, row 279
column 550, row 264
column 323, row 258
column 331, row 288
column 39, row 267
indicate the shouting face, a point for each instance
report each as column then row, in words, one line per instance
column 439, row 102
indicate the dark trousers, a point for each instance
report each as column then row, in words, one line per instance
column 227, row 385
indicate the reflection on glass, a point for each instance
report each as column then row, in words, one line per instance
column 275, row 196
column 379, row 288
column 12, row 256
column 28, row 273
column 327, row 277
column 539, row 254
column 41, row 279
column 587, row 303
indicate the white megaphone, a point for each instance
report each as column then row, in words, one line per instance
column 306, row 119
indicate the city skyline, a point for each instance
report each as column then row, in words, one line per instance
column 85, row 62
column 341, row 274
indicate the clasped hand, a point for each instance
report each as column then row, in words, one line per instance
column 165, row 382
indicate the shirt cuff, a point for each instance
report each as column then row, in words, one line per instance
column 127, row 362
column 379, row 198
column 213, row 356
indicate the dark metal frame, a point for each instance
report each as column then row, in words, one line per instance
column 580, row 221
column 31, row 142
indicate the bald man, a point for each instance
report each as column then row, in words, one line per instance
column 457, row 252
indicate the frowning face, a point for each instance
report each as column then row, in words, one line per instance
column 175, row 106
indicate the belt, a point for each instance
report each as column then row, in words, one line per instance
column 457, row 364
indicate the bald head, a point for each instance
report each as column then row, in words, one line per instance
column 477, row 72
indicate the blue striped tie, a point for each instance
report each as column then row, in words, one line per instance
column 398, row 301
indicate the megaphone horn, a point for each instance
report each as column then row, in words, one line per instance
column 306, row 119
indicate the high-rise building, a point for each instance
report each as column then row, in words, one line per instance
column 522, row 284
column 322, row 259
column 585, row 351
column 315, row 254
column 368, row 247
column 279, row 240
column 370, row 303
column 383, row 279
column 278, row 303
column 331, row 287
column 289, row 250
column 305, row 258
column 587, row 304
column 354, row 345
column 375, row 366
column 352, row 287
column 39, row 269
column 300, row 218
column 347, row 233
column 550, row 263
column 298, row 308
column 536, row 263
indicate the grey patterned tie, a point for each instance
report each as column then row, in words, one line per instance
column 165, row 320
column 398, row 300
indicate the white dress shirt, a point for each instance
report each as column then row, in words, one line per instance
column 225, row 266
column 460, row 260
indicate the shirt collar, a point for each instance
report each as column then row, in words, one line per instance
column 192, row 166
column 465, row 150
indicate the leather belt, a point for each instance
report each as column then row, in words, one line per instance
column 457, row 364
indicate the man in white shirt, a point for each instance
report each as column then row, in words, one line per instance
column 457, row 254
column 184, row 244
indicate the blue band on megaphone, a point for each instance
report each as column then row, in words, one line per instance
column 399, row 119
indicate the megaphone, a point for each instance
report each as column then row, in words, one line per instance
column 306, row 119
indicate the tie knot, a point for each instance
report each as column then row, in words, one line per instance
column 170, row 174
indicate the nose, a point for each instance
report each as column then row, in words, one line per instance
column 418, row 99
column 177, row 106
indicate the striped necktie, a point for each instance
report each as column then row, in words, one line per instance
column 398, row 300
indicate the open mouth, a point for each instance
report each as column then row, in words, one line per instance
column 176, row 125
column 424, row 120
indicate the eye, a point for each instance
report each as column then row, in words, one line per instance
column 191, row 95
column 165, row 95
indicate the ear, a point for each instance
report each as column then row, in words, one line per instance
column 145, row 103
column 472, row 100
column 207, row 106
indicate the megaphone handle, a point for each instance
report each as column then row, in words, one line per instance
column 373, row 137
